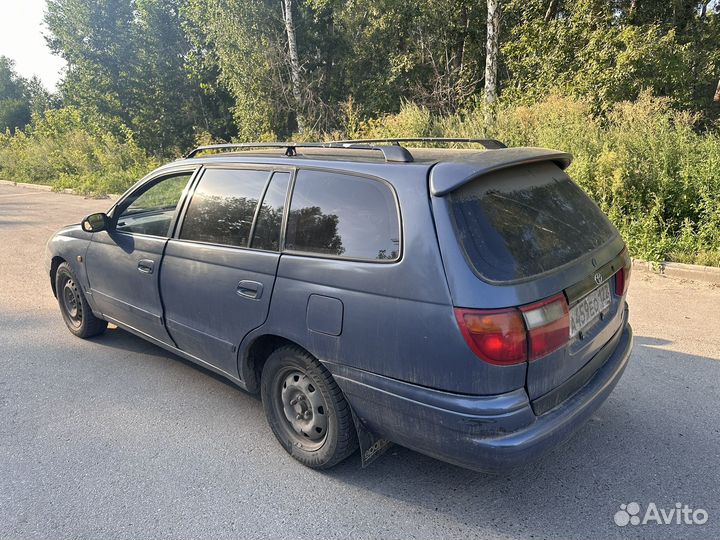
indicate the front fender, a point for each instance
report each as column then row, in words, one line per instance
column 69, row 244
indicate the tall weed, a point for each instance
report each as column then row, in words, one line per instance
column 67, row 148
column 644, row 163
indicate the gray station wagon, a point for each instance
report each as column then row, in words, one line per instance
column 467, row 304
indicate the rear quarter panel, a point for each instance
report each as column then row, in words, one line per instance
column 397, row 318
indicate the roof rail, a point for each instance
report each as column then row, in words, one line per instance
column 489, row 144
column 390, row 153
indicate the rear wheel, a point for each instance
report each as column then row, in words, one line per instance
column 306, row 409
column 75, row 310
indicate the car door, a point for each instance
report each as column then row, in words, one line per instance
column 123, row 262
column 219, row 270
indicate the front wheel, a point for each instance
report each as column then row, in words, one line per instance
column 75, row 310
column 306, row 409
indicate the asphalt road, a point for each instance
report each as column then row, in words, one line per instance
column 114, row 437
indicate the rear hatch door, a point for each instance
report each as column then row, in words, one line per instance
column 527, row 233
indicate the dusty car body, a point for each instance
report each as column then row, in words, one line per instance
column 467, row 304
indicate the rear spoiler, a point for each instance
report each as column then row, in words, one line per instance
column 447, row 176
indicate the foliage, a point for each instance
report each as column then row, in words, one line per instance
column 242, row 39
column 68, row 149
column 148, row 79
column 127, row 60
column 646, row 165
column 15, row 100
column 606, row 52
column 372, row 52
column 170, row 68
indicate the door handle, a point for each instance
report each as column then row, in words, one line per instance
column 146, row 266
column 250, row 289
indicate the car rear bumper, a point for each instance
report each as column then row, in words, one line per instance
column 486, row 433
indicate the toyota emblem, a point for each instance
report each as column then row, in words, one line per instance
column 598, row 278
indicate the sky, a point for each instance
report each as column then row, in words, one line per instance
column 21, row 39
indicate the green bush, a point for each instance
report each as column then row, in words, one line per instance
column 644, row 163
column 68, row 149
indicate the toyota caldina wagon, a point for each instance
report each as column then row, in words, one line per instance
column 467, row 304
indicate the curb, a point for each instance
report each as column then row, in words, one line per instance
column 41, row 187
column 695, row 272
column 45, row 187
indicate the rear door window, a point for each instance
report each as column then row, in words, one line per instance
column 341, row 215
column 523, row 221
column 269, row 220
column 223, row 206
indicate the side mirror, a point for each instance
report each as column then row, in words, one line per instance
column 95, row 222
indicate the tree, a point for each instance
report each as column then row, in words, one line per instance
column 375, row 53
column 167, row 106
column 552, row 10
column 97, row 40
column 294, row 62
column 612, row 51
column 244, row 38
column 176, row 71
column 492, row 50
column 41, row 99
column 127, row 59
column 15, row 97
column 430, row 53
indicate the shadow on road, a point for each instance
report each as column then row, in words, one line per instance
column 118, row 338
column 637, row 447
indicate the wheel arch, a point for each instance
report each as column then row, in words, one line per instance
column 255, row 353
column 252, row 358
column 55, row 263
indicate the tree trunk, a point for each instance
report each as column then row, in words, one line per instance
column 458, row 57
column 491, row 50
column 294, row 63
column 717, row 93
column 552, row 9
column 633, row 9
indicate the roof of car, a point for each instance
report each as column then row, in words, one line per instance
column 449, row 167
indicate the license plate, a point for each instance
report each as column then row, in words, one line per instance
column 587, row 309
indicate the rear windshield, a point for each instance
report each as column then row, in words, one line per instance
column 520, row 222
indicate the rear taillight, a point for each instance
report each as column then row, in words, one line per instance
column 511, row 336
column 496, row 336
column 548, row 324
column 622, row 279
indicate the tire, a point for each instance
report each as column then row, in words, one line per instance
column 74, row 308
column 306, row 409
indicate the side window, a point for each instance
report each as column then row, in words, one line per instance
column 269, row 220
column 151, row 210
column 223, row 206
column 343, row 215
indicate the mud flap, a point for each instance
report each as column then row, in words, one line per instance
column 371, row 447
